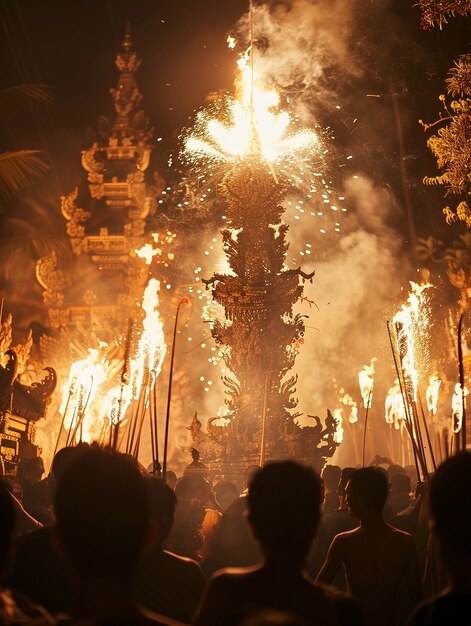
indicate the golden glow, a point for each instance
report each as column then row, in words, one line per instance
column 255, row 124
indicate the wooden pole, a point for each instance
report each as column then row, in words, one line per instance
column 169, row 395
column 368, row 402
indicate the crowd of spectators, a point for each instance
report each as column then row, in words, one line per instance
column 100, row 541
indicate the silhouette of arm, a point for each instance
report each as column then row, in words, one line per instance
column 333, row 562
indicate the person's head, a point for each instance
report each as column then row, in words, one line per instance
column 450, row 507
column 249, row 473
column 193, row 487
column 284, row 502
column 394, row 469
column 162, row 502
column 226, row 492
column 344, row 478
column 171, row 479
column 65, row 457
column 367, row 492
column 400, row 485
column 7, row 525
column 102, row 514
column 30, row 470
column 331, row 476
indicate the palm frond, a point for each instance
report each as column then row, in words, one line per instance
column 18, row 169
column 18, row 99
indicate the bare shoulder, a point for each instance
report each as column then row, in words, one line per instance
column 232, row 576
column 400, row 537
column 346, row 537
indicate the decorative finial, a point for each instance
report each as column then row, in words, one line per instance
column 127, row 43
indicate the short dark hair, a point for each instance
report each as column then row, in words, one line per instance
column 102, row 513
column 162, row 502
column 371, row 484
column 284, row 502
column 400, row 482
column 331, row 475
column 344, row 478
column 450, row 503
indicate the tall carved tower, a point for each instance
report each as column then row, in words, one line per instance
column 260, row 335
column 106, row 220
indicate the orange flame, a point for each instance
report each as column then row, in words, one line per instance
column 411, row 324
column 366, row 381
column 89, row 376
column 457, row 406
column 431, row 394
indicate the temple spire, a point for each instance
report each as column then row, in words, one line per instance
column 131, row 125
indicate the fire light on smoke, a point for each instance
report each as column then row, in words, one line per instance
column 95, row 391
column 411, row 324
column 394, row 411
column 366, row 382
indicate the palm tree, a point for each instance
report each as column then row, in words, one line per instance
column 18, row 168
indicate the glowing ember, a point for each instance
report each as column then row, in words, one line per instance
column 366, row 381
column 431, row 395
column 457, row 406
column 394, row 411
column 148, row 252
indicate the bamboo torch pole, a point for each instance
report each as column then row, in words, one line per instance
column 170, row 380
column 368, row 402
column 399, row 373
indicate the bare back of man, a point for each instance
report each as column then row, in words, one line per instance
column 234, row 595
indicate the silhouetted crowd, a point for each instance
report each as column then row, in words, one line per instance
column 100, row 541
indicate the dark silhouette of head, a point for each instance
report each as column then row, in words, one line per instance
column 284, row 502
column 450, row 506
column 367, row 491
column 162, row 502
column 102, row 514
column 226, row 492
column 344, row 478
column 400, row 484
column 171, row 478
column 7, row 525
column 331, row 476
column 65, row 457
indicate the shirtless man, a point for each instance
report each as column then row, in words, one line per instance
column 377, row 558
column 284, row 502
